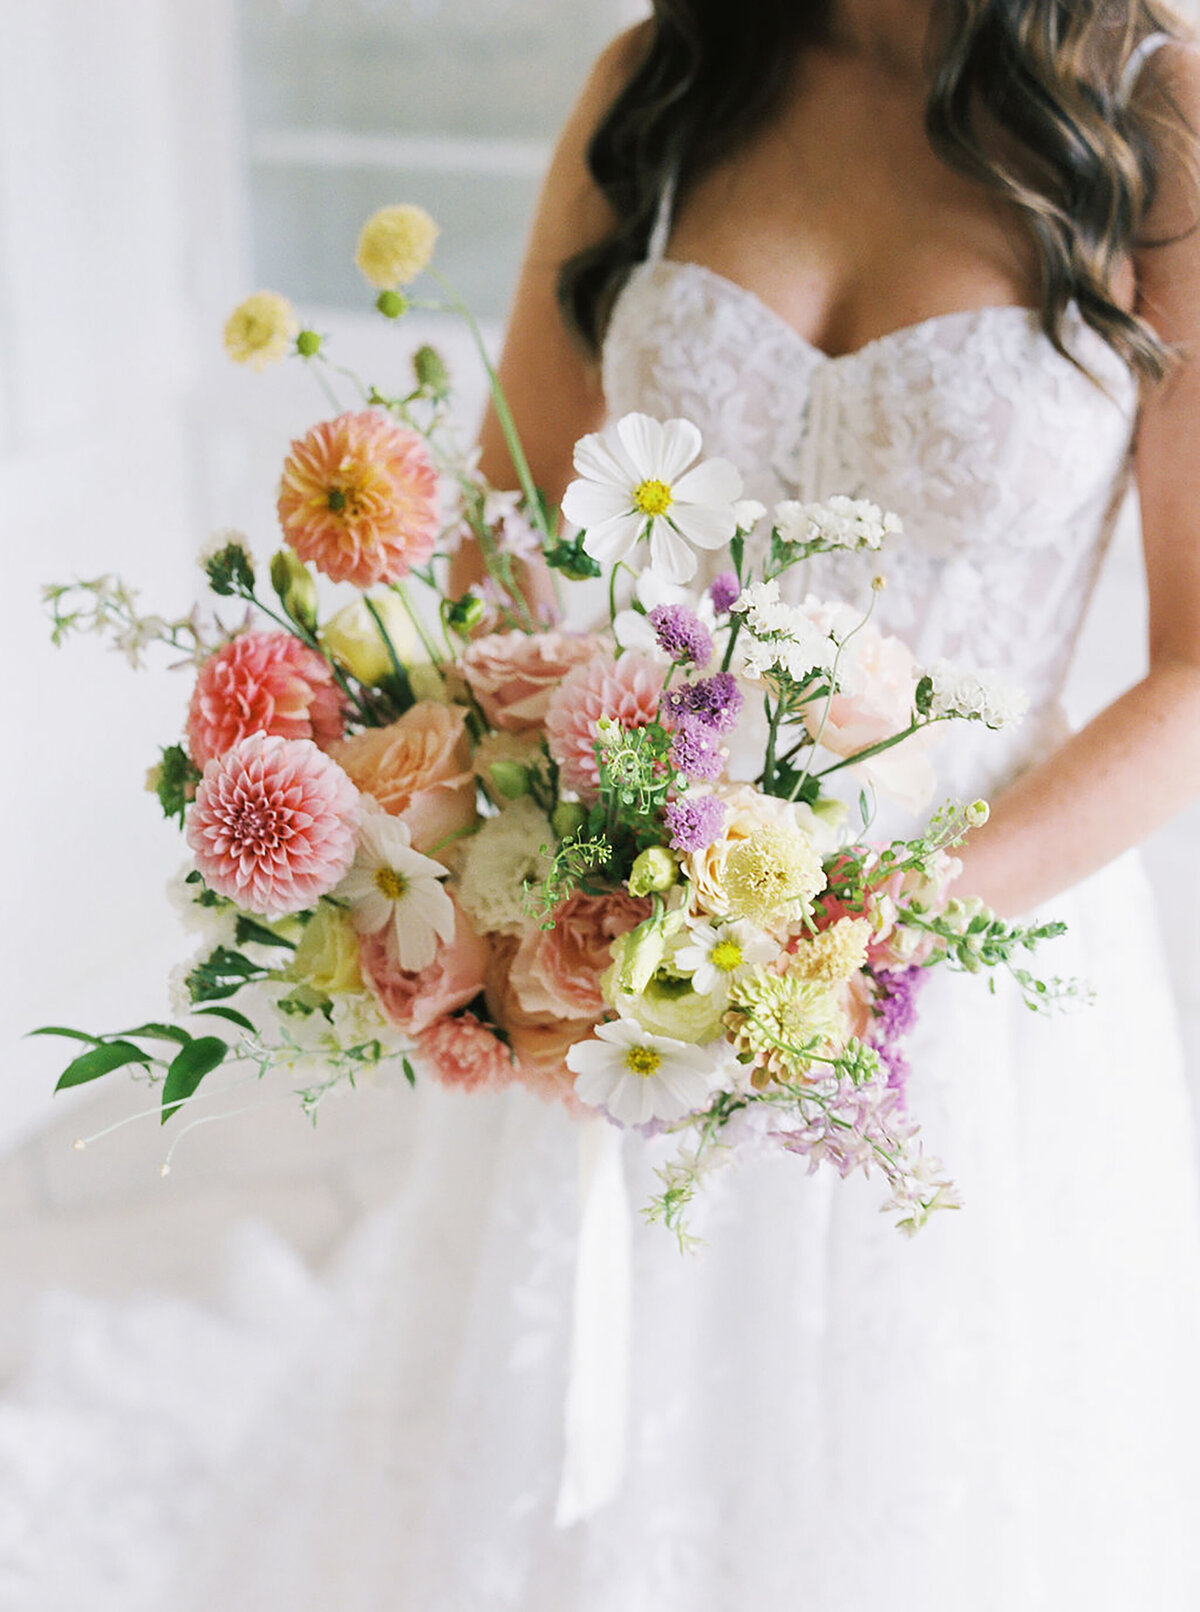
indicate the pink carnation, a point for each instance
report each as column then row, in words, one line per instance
column 273, row 824
column 359, row 499
column 262, row 682
column 514, row 674
column 464, row 1053
column 627, row 691
column 412, row 1001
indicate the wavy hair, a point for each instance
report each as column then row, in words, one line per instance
column 1026, row 97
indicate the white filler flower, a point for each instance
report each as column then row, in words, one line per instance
column 390, row 883
column 979, row 696
column 634, row 482
column 637, row 1077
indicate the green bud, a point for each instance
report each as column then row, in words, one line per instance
column 465, row 614
column 293, row 582
column 430, row 371
column 308, row 344
column 654, row 870
column 391, row 304
column 567, row 818
column 573, row 561
column 637, row 956
column 977, row 813
column 509, row 778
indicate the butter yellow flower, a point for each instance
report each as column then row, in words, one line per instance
column 783, row 1021
column 396, row 243
column 353, row 638
column 835, row 954
column 773, row 876
column 261, row 329
column 327, row 956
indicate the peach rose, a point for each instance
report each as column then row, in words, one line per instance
column 513, row 674
column 558, row 970
column 880, row 683
column 418, row 768
column 412, row 1001
column 540, row 1040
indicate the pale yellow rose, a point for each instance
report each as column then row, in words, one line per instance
column 327, row 956
column 354, row 640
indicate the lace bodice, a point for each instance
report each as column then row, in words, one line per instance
column 1006, row 461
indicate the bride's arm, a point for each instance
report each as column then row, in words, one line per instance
column 552, row 388
column 1138, row 762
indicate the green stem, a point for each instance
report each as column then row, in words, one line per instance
column 414, row 615
column 872, row 750
column 503, row 413
column 373, row 612
column 735, row 628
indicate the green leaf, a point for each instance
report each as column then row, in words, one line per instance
column 99, row 1061
column 160, row 1032
column 249, row 929
column 229, row 1013
column 409, row 1072
column 59, row 1029
column 189, row 1068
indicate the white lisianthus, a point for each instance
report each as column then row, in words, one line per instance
column 633, row 481
column 979, row 696
column 390, row 883
column 637, row 1077
column 837, row 523
column 717, row 954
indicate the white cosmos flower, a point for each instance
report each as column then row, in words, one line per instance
column 720, row 953
column 390, row 883
column 633, row 481
column 637, row 1077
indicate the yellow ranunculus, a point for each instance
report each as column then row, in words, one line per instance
column 327, row 957
column 353, row 638
column 260, row 330
column 396, row 243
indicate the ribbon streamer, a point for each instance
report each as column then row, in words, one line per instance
column 598, row 1379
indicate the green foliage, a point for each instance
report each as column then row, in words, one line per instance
column 230, row 571
column 101, row 1060
column 222, row 974
column 188, row 1068
column 175, row 781
column 572, row 560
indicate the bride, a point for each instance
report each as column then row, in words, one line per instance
column 946, row 257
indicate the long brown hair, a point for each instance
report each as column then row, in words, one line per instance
column 1026, row 96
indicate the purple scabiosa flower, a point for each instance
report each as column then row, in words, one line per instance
column 723, row 592
column 681, row 634
column 694, row 749
column 695, row 821
column 716, row 701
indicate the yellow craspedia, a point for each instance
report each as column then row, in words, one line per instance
column 327, row 956
column 773, row 876
column 396, row 243
column 835, row 954
column 260, row 330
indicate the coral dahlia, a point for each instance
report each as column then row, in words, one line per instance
column 262, row 682
column 273, row 824
column 359, row 499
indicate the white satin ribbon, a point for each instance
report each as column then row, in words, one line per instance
column 598, row 1373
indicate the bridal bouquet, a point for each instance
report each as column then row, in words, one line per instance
column 452, row 836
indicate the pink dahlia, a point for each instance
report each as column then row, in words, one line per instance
column 627, row 691
column 359, row 499
column 463, row 1052
column 262, row 682
column 273, row 824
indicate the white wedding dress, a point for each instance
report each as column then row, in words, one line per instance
column 1001, row 1415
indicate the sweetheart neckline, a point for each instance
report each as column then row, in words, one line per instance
column 1029, row 315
